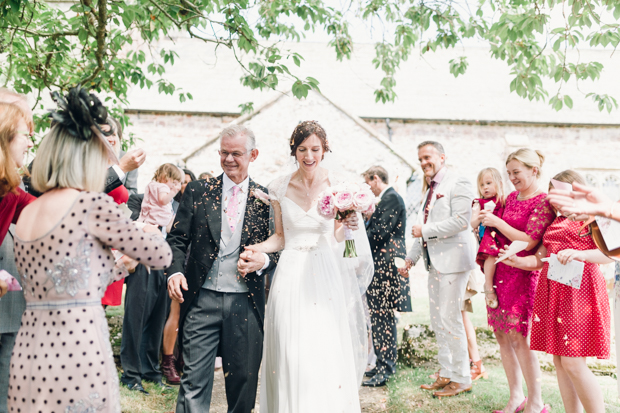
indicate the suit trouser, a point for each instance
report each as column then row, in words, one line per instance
column 228, row 322
column 445, row 292
column 7, row 341
column 384, row 333
column 146, row 304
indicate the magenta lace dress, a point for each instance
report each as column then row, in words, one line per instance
column 515, row 288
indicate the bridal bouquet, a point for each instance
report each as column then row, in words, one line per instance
column 338, row 201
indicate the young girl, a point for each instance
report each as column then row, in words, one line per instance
column 571, row 323
column 158, row 195
column 490, row 188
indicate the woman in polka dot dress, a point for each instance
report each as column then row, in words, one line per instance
column 62, row 360
column 571, row 323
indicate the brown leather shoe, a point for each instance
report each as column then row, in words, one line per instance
column 170, row 373
column 453, row 389
column 439, row 384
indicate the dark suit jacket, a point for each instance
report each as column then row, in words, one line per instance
column 386, row 234
column 198, row 221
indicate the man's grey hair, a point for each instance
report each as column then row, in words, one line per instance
column 234, row 130
column 434, row 144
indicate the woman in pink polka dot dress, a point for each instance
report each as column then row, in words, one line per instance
column 571, row 323
column 62, row 360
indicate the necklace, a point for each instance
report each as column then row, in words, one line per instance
column 533, row 194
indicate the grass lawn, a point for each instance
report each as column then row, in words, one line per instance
column 405, row 394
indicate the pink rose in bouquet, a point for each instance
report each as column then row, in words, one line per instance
column 326, row 206
column 339, row 201
column 343, row 200
column 364, row 201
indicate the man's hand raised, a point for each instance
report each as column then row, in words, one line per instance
column 132, row 160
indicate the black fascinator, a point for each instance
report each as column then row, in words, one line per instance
column 80, row 113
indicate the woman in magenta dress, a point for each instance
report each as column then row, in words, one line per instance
column 527, row 215
column 571, row 323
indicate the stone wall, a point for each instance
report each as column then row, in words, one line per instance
column 594, row 151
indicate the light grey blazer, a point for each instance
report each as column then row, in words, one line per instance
column 451, row 245
column 131, row 178
column 13, row 304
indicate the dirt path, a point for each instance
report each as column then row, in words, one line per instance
column 372, row 400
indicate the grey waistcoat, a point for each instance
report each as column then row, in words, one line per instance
column 223, row 276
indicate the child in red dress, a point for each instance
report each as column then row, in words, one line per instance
column 490, row 189
column 571, row 323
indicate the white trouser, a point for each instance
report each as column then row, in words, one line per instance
column 445, row 292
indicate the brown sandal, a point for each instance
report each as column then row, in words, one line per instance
column 478, row 371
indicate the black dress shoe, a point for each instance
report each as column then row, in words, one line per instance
column 378, row 380
column 137, row 387
column 371, row 373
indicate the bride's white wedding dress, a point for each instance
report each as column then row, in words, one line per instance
column 315, row 347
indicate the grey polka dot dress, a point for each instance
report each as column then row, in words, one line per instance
column 62, row 359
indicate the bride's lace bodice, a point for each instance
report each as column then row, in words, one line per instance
column 304, row 231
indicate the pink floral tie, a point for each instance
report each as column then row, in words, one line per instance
column 231, row 210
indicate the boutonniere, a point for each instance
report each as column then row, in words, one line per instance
column 439, row 196
column 260, row 196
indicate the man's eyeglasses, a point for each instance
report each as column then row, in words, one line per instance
column 236, row 155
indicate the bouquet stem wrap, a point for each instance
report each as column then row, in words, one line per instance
column 349, row 242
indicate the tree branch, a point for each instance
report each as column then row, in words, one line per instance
column 227, row 43
column 39, row 34
column 102, row 17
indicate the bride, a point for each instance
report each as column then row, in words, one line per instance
column 315, row 347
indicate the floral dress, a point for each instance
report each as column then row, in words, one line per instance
column 515, row 288
column 571, row 322
column 62, row 359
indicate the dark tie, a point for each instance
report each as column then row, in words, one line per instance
column 427, row 204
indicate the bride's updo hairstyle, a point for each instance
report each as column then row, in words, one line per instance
column 306, row 129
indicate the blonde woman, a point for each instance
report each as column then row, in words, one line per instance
column 527, row 214
column 62, row 247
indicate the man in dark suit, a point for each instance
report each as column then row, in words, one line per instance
column 222, row 288
column 388, row 291
column 146, row 305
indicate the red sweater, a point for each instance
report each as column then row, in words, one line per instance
column 11, row 206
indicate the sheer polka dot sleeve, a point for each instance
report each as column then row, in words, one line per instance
column 539, row 220
column 108, row 223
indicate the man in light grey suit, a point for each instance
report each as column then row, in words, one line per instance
column 127, row 169
column 448, row 246
column 12, row 306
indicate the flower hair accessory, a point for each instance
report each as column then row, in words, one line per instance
column 80, row 113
